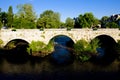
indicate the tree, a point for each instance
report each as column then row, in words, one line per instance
column 104, row 21
column 86, row 21
column 10, row 16
column 112, row 25
column 118, row 21
column 49, row 19
column 69, row 22
column 82, row 22
column 3, row 18
column 0, row 24
column 26, row 16
column 76, row 23
column 62, row 25
column 0, row 10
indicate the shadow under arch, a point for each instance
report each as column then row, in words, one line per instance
column 16, row 42
column 106, row 52
column 16, row 51
column 63, row 50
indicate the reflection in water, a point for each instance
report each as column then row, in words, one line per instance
column 101, row 52
column 62, row 53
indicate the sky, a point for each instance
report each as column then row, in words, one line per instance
column 68, row 8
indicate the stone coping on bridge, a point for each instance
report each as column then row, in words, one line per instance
column 63, row 29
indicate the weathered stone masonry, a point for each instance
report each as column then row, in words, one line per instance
column 47, row 34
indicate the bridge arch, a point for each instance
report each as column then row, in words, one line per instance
column 106, row 40
column 107, row 51
column 16, row 42
column 60, row 35
column 70, row 36
column 63, row 50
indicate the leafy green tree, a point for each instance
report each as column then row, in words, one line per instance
column 0, row 24
column 17, row 22
column 3, row 18
column 118, row 22
column 76, row 23
column 86, row 21
column 69, row 22
column 89, row 19
column 26, row 16
column 0, row 10
column 112, row 25
column 10, row 16
column 62, row 25
column 49, row 19
column 82, row 22
column 0, row 18
column 104, row 21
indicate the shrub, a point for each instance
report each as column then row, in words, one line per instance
column 94, row 44
column 80, row 46
column 35, row 46
column 0, row 24
column 1, row 42
column 84, row 50
column 40, row 47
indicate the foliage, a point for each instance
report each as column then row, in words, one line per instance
column 80, row 46
column 11, row 45
column 69, row 22
column 10, row 17
column 38, row 46
column 112, row 25
column 86, row 21
column 62, row 25
column 49, row 19
column 94, row 44
column 49, row 48
column 1, row 42
column 104, row 21
column 3, row 18
column 25, row 18
column 0, row 24
column 84, row 49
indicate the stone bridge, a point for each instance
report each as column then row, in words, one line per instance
column 47, row 34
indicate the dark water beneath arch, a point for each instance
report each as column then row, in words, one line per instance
column 63, row 50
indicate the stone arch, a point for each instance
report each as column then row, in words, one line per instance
column 17, row 54
column 64, row 36
column 107, row 39
column 16, row 41
column 52, row 37
column 63, row 50
column 107, row 49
